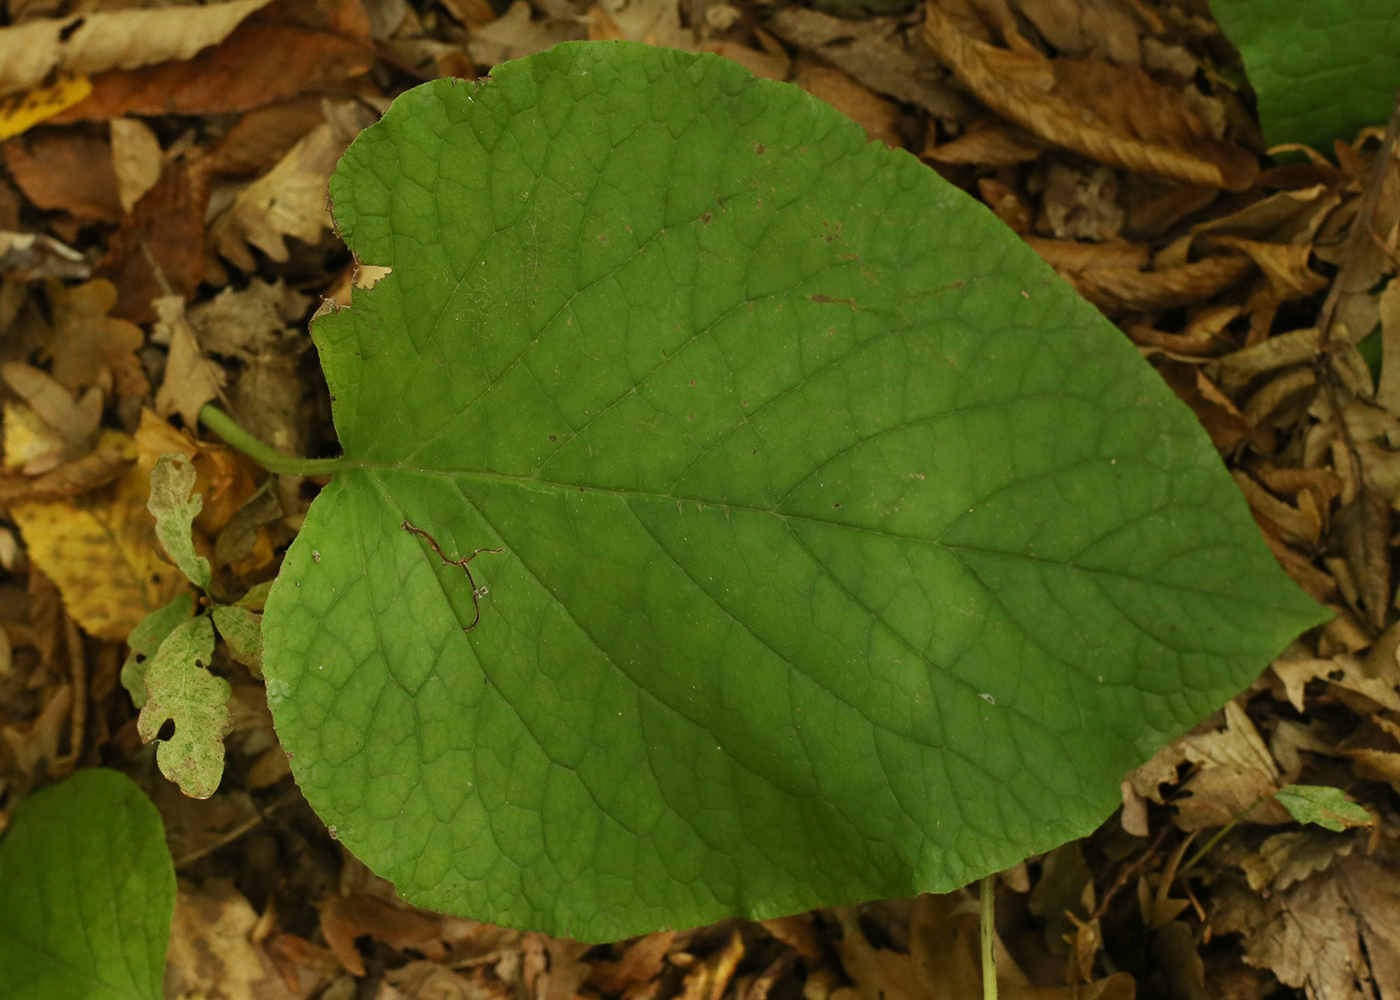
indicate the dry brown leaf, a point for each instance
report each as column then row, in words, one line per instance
column 136, row 158
column 345, row 918
column 1291, row 856
column 993, row 143
column 159, row 249
column 430, row 979
column 1117, row 115
column 67, row 170
column 247, row 322
column 1364, row 526
column 709, row 979
column 214, row 950
column 1234, row 371
column 106, row 463
column 1118, row 290
column 289, row 200
column 101, row 551
column 1006, row 203
column 75, row 421
column 1224, row 423
column 191, row 379
column 126, row 39
column 1295, row 669
column 264, row 135
column 764, row 65
column 266, row 59
column 640, row 962
column 34, row 746
column 515, row 34
column 1234, row 770
column 878, row 116
column 1328, row 934
column 1284, row 264
column 882, row 53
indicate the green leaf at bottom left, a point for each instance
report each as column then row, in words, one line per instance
column 87, row 889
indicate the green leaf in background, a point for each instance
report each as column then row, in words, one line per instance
column 1324, row 805
column 87, row 889
column 145, row 639
column 242, row 632
column 174, row 509
column 180, row 690
column 848, row 553
column 1323, row 69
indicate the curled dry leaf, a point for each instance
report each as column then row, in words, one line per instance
column 93, row 43
column 1117, row 115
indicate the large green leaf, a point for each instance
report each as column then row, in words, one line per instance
column 87, row 889
column 847, row 552
column 1322, row 68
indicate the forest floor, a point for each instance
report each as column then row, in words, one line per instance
column 165, row 238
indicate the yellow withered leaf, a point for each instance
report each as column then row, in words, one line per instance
column 101, row 551
column 21, row 112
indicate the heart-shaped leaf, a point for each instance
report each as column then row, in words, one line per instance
column 86, row 893
column 846, row 552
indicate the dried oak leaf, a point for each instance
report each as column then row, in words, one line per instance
column 85, row 342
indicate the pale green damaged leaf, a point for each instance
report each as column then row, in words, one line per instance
column 174, row 509
column 242, row 632
column 1322, row 69
column 87, row 889
column 179, row 689
column 848, row 553
column 145, row 639
column 256, row 597
column 1324, row 805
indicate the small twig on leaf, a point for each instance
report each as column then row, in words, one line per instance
column 477, row 592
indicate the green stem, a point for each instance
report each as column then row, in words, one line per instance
column 273, row 461
column 989, row 962
column 1234, row 822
